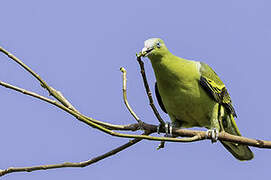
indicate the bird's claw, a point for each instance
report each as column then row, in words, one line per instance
column 168, row 133
column 214, row 134
column 168, row 129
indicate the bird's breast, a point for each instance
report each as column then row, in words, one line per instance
column 183, row 96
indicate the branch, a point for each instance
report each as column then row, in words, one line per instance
column 100, row 127
column 58, row 95
column 148, row 91
column 149, row 94
column 124, row 90
column 87, row 120
column 70, row 164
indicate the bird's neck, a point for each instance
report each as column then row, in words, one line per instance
column 164, row 67
column 160, row 59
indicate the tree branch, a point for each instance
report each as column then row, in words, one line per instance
column 70, row 164
column 64, row 104
column 130, row 127
column 91, row 123
column 51, row 91
column 200, row 135
column 149, row 94
column 124, row 92
column 148, row 91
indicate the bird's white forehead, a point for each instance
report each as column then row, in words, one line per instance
column 150, row 42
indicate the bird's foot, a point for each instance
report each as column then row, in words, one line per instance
column 168, row 133
column 168, row 129
column 214, row 134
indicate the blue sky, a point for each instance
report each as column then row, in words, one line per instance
column 78, row 48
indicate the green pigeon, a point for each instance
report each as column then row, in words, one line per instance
column 193, row 95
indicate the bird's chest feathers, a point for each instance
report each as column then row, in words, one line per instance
column 177, row 77
column 179, row 92
column 178, row 84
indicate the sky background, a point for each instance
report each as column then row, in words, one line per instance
column 78, row 48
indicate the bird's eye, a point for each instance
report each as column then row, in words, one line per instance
column 158, row 44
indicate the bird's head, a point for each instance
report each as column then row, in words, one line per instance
column 153, row 47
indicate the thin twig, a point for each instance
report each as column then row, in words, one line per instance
column 87, row 120
column 64, row 100
column 124, row 92
column 34, row 74
column 70, row 164
column 148, row 91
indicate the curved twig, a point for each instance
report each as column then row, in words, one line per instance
column 56, row 94
column 70, row 164
column 148, row 91
column 124, row 92
column 91, row 123
column 149, row 94
column 87, row 120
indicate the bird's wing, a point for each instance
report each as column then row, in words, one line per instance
column 159, row 99
column 213, row 85
column 217, row 90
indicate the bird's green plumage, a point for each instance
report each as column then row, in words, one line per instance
column 192, row 94
column 215, row 87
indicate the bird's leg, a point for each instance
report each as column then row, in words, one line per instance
column 220, row 116
column 214, row 134
column 168, row 129
column 215, row 125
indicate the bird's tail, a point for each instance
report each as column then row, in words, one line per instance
column 239, row 151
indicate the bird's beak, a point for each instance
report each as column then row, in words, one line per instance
column 145, row 51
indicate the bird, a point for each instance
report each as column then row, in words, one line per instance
column 193, row 95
